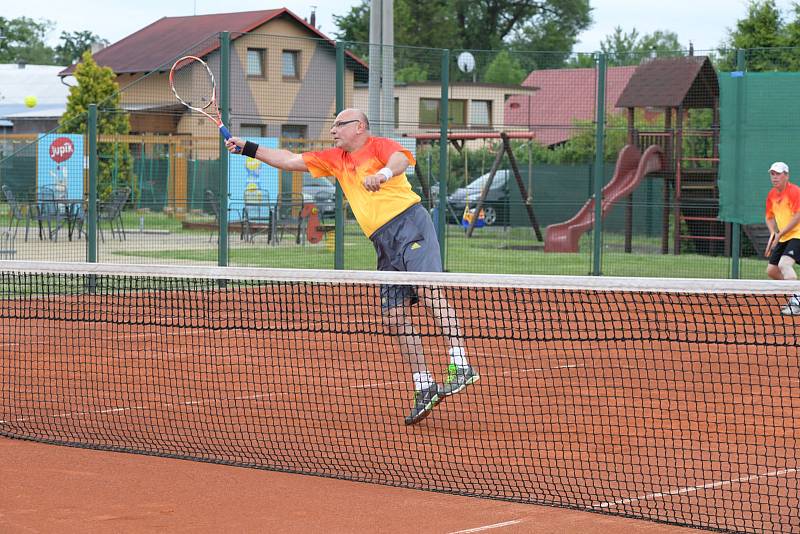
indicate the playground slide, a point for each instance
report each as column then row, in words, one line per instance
column 631, row 167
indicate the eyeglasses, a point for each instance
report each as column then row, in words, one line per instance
column 339, row 124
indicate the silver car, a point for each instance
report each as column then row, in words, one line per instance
column 321, row 192
column 495, row 205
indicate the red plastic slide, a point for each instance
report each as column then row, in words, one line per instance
column 632, row 166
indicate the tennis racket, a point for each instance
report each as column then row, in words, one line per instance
column 193, row 84
column 770, row 244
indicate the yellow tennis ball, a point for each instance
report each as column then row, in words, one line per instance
column 30, row 101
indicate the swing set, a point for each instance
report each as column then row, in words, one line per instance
column 475, row 217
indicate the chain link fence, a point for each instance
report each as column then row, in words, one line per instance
column 514, row 166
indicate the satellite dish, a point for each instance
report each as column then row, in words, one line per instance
column 466, row 62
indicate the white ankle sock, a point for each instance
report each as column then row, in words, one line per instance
column 458, row 356
column 422, row 380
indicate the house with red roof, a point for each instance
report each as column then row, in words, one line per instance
column 282, row 74
column 565, row 100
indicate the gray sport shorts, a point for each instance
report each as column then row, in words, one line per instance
column 406, row 243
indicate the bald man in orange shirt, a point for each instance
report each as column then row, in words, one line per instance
column 782, row 217
column 371, row 172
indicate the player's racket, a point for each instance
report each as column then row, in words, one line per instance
column 770, row 244
column 194, row 86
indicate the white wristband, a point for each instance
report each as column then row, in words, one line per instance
column 387, row 172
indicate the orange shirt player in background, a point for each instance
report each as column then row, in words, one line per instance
column 371, row 172
column 783, row 216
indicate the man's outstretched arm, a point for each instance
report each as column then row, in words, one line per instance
column 274, row 157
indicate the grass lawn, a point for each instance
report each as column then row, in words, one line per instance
column 489, row 250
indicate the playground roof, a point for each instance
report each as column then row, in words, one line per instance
column 689, row 82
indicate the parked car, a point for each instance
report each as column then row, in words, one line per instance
column 321, row 192
column 495, row 204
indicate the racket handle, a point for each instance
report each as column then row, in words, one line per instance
column 227, row 135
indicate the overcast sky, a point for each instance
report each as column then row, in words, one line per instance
column 703, row 22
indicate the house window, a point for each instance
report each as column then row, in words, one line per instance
column 290, row 64
column 251, row 130
column 480, row 112
column 428, row 111
column 256, row 62
column 294, row 131
column 429, row 114
column 458, row 113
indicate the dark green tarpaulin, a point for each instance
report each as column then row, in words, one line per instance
column 759, row 124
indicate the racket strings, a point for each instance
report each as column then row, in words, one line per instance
column 193, row 84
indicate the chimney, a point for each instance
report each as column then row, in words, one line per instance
column 313, row 22
column 96, row 46
column 21, row 63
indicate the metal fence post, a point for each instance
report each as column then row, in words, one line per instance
column 599, row 166
column 91, row 236
column 441, row 232
column 338, row 250
column 224, row 92
column 736, row 228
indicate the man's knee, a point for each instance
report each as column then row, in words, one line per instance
column 786, row 266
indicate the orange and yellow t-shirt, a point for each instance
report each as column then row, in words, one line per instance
column 782, row 206
column 371, row 209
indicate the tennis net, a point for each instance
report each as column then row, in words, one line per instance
column 668, row 400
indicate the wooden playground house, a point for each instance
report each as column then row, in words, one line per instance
column 679, row 87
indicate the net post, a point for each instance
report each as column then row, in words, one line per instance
column 441, row 233
column 736, row 230
column 338, row 250
column 599, row 165
column 224, row 86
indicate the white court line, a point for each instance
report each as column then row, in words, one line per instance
column 190, row 403
column 370, row 385
column 542, row 369
column 374, row 385
column 693, row 489
column 201, row 402
column 488, row 527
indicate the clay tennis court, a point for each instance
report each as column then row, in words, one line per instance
column 632, row 404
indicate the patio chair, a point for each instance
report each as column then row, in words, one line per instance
column 257, row 218
column 212, row 201
column 287, row 216
column 110, row 212
column 16, row 212
column 48, row 212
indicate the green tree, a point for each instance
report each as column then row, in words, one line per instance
column 74, row 44
column 763, row 27
column 98, row 85
column 630, row 48
column 476, row 25
column 23, row 40
column 505, row 68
